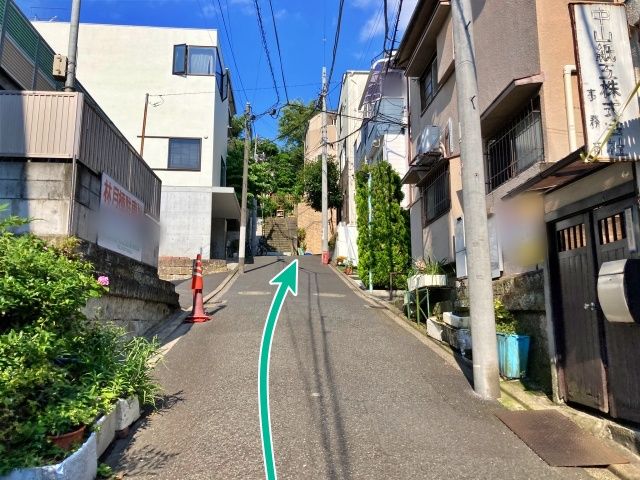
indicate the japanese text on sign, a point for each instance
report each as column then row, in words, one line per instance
column 610, row 105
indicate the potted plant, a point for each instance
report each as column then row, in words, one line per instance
column 428, row 273
column 513, row 348
column 348, row 267
column 66, row 422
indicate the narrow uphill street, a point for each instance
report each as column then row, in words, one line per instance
column 353, row 396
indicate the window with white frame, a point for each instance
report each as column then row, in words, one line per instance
column 184, row 153
column 429, row 83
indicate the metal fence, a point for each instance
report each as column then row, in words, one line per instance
column 516, row 147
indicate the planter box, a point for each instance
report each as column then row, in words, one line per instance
column 422, row 280
column 458, row 338
column 127, row 412
column 456, row 321
column 513, row 354
column 432, row 280
column 105, row 430
column 81, row 465
column 435, row 329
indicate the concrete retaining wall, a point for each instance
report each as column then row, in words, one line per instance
column 523, row 295
column 137, row 300
column 177, row 268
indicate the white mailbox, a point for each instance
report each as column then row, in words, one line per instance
column 619, row 290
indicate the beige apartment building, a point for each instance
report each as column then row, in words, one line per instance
column 559, row 116
column 308, row 219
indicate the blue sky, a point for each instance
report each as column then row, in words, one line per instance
column 302, row 26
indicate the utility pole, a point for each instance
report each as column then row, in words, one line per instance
column 72, row 54
column 144, row 124
column 325, row 188
column 245, row 175
column 483, row 327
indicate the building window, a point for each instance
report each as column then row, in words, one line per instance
column 88, row 188
column 184, row 153
column 436, row 198
column 223, row 172
column 429, row 83
column 515, row 147
column 192, row 60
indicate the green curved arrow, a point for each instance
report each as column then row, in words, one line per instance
column 287, row 281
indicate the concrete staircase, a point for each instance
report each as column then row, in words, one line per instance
column 281, row 234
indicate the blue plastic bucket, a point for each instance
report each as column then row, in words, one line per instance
column 513, row 355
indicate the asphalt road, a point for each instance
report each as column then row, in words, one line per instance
column 353, row 396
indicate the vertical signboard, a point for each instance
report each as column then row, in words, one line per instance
column 121, row 220
column 607, row 81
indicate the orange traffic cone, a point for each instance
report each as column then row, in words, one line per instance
column 198, row 314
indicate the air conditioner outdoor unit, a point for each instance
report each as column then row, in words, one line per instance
column 429, row 141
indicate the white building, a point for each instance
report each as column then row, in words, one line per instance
column 185, row 137
column 383, row 135
column 349, row 120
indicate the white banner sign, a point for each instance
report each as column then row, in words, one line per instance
column 121, row 220
column 607, row 82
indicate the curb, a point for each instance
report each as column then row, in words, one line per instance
column 514, row 398
column 166, row 333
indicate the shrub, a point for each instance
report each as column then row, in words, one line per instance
column 383, row 246
column 58, row 371
column 38, row 282
column 505, row 321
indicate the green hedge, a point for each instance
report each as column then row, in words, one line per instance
column 383, row 246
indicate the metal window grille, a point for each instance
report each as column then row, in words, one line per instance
column 436, row 198
column 517, row 146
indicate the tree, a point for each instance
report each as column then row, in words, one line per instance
column 312, row 184
column 293, row 121
column 383, row 245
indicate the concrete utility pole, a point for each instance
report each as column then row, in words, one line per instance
column 72, row 54
column 485, row 351
column 245, row 175
column 325, row 188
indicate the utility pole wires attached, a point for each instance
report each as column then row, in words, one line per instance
column 485, row 351
column 245, row 177
column 325, row 187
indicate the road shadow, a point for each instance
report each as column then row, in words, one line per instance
column 147, row 460
column 277, row 260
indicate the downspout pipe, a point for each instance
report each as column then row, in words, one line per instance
column 568, row 96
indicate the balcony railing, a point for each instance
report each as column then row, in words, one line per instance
column 65, row 126
column 516, row 147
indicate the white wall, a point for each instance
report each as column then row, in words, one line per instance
column 353, row 84
column 119, row 64
column 396, row 155
column 184, row 229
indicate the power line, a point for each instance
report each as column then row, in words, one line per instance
column 275, row 29
column 266, row 48
column 335, row 41
column 233, row 55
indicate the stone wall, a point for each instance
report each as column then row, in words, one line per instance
column 178, row 268
column 523, row 295
column 137, row 300
column 311, row 222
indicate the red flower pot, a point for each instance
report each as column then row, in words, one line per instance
column 68, row 440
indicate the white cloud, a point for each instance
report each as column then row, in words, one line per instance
column 280, row 13
column 245, row 6
column 364, row 3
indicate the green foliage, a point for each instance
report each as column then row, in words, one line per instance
column 383, row 246
column 39, row 282
column 429, row 266
column 57, row 370
column 312, row 184
column 293, row 122
column 505, row 321
column 104, row 471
